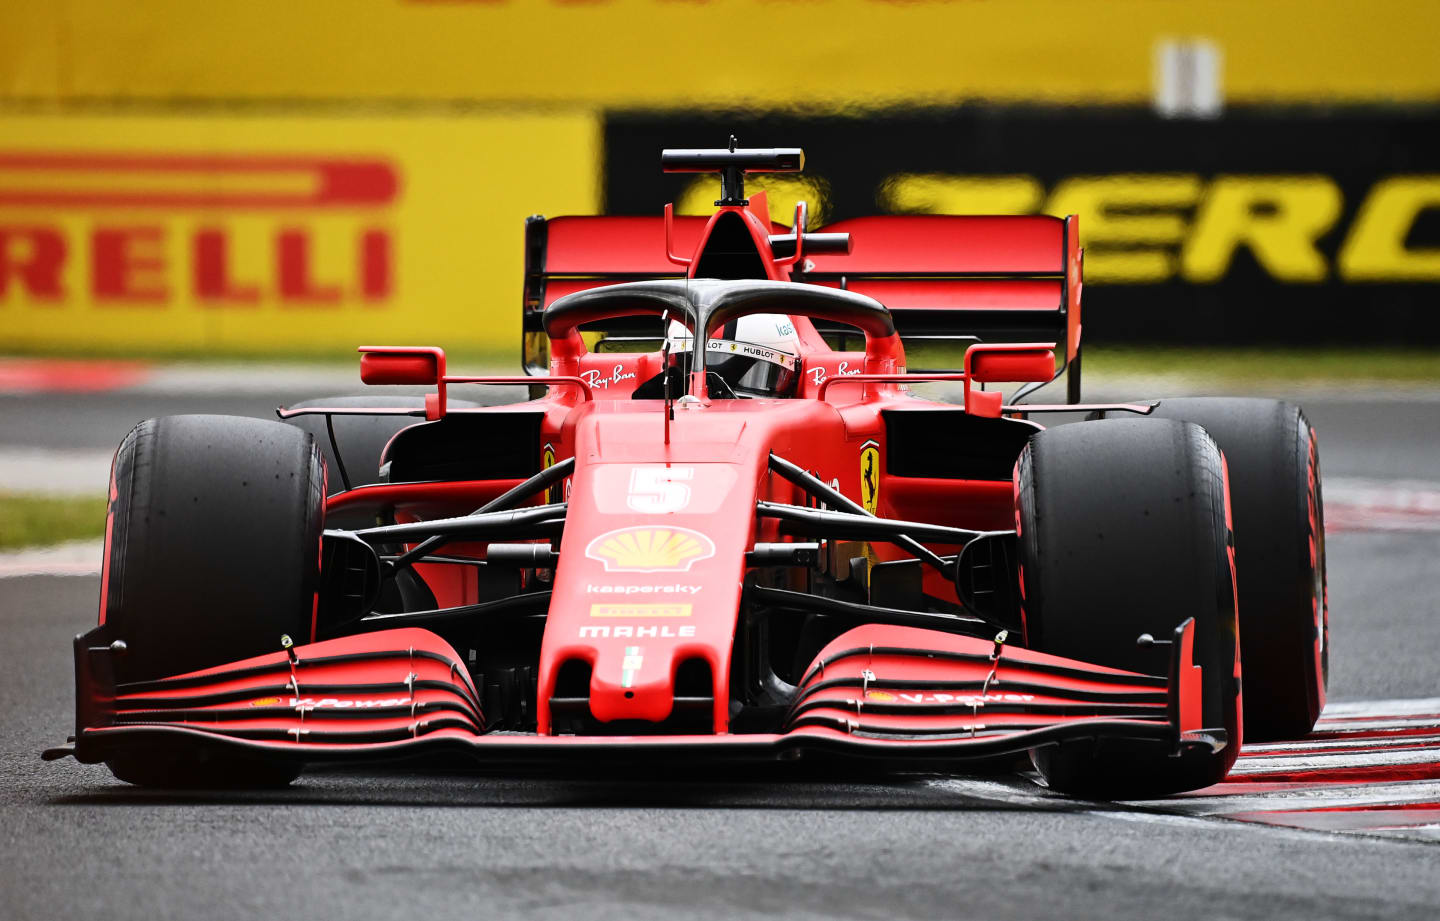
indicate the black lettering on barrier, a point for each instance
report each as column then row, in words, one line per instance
column 1268, row 225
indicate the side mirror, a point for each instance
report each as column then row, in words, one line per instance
column 985, row 363
column 417, row 366
column 383, row 364
column 988, row 364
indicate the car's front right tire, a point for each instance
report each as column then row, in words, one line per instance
column 1123, row 530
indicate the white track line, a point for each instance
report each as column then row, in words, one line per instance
column 45, row 471
column 1317, row 797
column 1365, row 725
column 1357, row 807
column 1273, row 749
column 1358, row 504
column 1413, row 833
column 1328, row 761
column 258, row 378
column 76, row 558
column 1419, row 706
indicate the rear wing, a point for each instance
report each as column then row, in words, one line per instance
column 568, row 254
column 995, row 277
column 942, row 276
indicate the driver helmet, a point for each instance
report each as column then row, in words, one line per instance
column 754, row 356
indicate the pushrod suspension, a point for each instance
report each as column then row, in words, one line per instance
column 844, row 525
column 821, row 490
column 481, row 525
column 802, row 602
column 542, row 480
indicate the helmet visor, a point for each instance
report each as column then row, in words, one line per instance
column 748, row 369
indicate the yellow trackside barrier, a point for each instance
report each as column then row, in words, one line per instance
column 680, row 53
column 272, row 234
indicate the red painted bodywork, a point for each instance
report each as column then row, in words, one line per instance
column 892, row 692
column 330, row 182
column 653, row 557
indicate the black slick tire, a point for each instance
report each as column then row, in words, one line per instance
column 1123, row 531
column 212, row 554
column 1279, row 518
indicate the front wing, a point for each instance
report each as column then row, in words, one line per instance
column 905, row 695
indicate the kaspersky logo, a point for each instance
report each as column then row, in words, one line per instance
column 650, row 549
column 154, row 228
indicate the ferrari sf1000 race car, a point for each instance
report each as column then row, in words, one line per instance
column 723, row 528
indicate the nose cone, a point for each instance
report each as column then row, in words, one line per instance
column 624, row 685
column 649, row 578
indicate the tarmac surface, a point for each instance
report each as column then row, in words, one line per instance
column 408, row 843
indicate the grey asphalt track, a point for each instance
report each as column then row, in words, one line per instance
column 407, row 843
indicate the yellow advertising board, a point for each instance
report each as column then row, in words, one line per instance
column 277, row 233
column 678, row 53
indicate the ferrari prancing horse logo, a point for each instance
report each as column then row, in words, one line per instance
column 547, row 460
column 870, row 476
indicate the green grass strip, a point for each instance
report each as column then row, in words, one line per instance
column 1234, row 365
column 33, row 521
column 1336, row 365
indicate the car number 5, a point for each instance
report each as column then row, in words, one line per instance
column 657, row 490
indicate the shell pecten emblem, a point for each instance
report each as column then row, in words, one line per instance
column 650, row 549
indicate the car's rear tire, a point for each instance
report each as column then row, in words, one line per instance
column 1279, row 516
column 212, row 554
column 1122, row 531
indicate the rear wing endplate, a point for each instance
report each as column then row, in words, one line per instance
column 1001, row 277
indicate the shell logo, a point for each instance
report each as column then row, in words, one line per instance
column 643, row 549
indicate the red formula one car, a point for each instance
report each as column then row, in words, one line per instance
column 724, row 527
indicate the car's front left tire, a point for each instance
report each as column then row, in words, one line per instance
column 211, row 556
